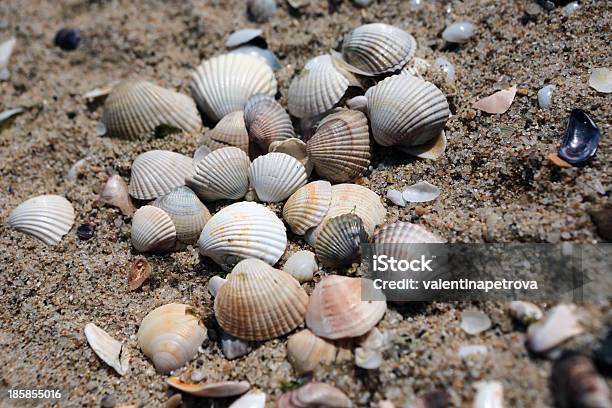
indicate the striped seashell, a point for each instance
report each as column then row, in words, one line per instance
column 135, row 108
column 374, row 49
column 222, row 174
column 340, row 149
column 267, row 121
column 294, row 147
column 306, row 351
column 188, row 214
column 339, row 242
column 313, row 395
column 221, row 389
column 259, row 302
column 153, row 230
column 46, row 217
column 157, row 172
column 307, row 207
column 243, row 230
column 229, row 132
column 223, row 84
column 406, row 110
column 405, row 233
column 275, row 176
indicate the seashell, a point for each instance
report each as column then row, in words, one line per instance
column 601, row 80
column 314, row 394
column 367, row 358
column 524, row 312
column 210, row 390
column 340, row 148
column 499, row 102
column 229, row 132
column 252, row 399
column 267, row 121
column 77, row 168
column 275, row 176
column 214, row 284
column 295, row 148
column 466, row 351
column 307, row 207
column 545, row 96
column 135, row 108
column 576, row 383
column 259, row 302
column 46, row 217
column 108, row 349
column 153, row 230
column 157, row 172
column 431, row 150
column 335, row 309
column 9, row 113
column 581, row 138
column 446, row 67
column 395, row 196
column 255, row 51
column 405, row 233
column 261, row 11
column 223, row 84
column 359, row 103
column 459, row 32
column 406, row 110
column 222, row 174
column 339, row 241
column 362, row 3
column 99, row 93
column 171, row 335
column 474, row 321
column 421, row 192
column 243, row 230
column 139, row 272
column 243, row 36
column 232, row 347
column 6, row 49
column 187, row 213
column 200, row 153
column 489, row 394
column 305, row 351
column 558, row 325
column 301, row 265
column 375, row 49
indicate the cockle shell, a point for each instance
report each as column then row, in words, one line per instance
column 405, row 233
column 157, row 172
column 135, row 108
column 375, row 49
column 267, row 55
column 307, row 207
column 171, row 335
column 108, row 349
column 261, row 11
column 115, row 193
column 314, row 394
column 305, row 351
column 210, row 390
column 340, row 148
column 153, row 230
column 243, row 230
column 275, row 176
column 406, row 110
column 339, row 242
column 188, row 214
column 301, row 265
column 336, row 310
column 259, row 302
column 230, row 131
column 223, row 84
column 46, row 217
column 267, row 121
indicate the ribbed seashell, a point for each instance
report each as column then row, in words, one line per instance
column 223, row 84
column 301, row 265
column 296, row 148
column 375, row 49
column 135, row 108
column 275, row 176
column 115, row 193
column 267, row 121
column 405, row 233
column 261, row 11
column 305, row 351
column 259, row 302
column 187, row 212
column 229, row 132
column 340, row 239
column 340, row 148
column 406, row 110
column 46, row 217
column 252, row 399
column 157, row 172
column 108, row 349
column 307, row 207
column 153, row 230
column 171, row 335
column 209, row 389
column 267, row 55
column 243, row 230
column 221, row 175
column 314, row 394
column 336, row 310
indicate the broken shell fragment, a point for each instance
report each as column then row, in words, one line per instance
column 233, row 347
column 421, row 192
column 601, row 80
column 489, row 394
column 499, row 102
column 525, row 312
column 157, row 172
column 315, row 394
column 275, row 176
column 395, row 196
column 229, row 132
column 339, row 241
column 301, row 265
column 210, row 390
column 581, row 138
column 306, row 351
column 115, row 193
column 368, row 359
column 474, row 321
column 558, row 325
column 252, row 399
column 214, row 284
column 153, row 230
column 139, row 272
column 267, row 121
column 108, row 349
column 307, row 207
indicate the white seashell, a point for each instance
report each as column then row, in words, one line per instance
column 358, row 103
column 243, row 36
column 405, row 233
column 499, row 102
column 306, row 351
column 99, row 93
column 9, row 113
column 266, row 121
column 416, row 4
column 108, row 349
column 314, row 394
column 261, row 11
column 446, row 67
column 459, row 32
column 558, row 325
column 200, row 153
column 115, row 193
column 243, row 230
column 545, row 96
column 46, row 217
column 421, row 192
column 489, row 394
column 307, row 207
column 210, row 390
column 294, row 147
column 135, row 108
column 474, row 321
column 301, row 265
column 570, row 8
column 525, row 312
column 367, row 358
column 6, row 49
column 157, row 172
column 395, row 196
column 223, row 84
column 601, row 80
column 472, row 349
column 229, row 132
column 233, row 347
column 171, row 335
column 214, row 284
column 255, row 51
column 275, row 176
column 222, row 174
column 252, row 399
column 153, row 230
column 340, row 240
column 431, row 150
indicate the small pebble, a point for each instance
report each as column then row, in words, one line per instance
column 446, row 67
column 459, row 32
column 474, row 321
column 108, row 401
column 301, row 265
column 570, row 8
column 86, row 231
column 233, row 347
column 67, row 39
column 545, row 96
column 174, row 401
column 558, row 325
column 420, row 210
column 603, row 221
column 6, row 49
column 416, row 4
column 525, row 312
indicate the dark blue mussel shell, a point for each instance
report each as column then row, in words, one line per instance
column 581, row 138
column 67, row 38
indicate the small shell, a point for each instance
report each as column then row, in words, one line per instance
column 261, row 11
column 214, row 284
column 259, row 302
column 581, row 138
column 301, row 265
column 171, row 335
column 223, row 84
column 211, row 390
column 275, row 176
column 135, row 108
column 421, row 192
column 305, row 351
column 395, row 196
column 459, row 32
column 307, row 207
column 489, row 394
column 229, row 132
column 368, row 359
column 405, row 233
column 336, row 310
column 243, row 230
column 296, row 148
column 6, row 49
column 243, row 36
column 601, row 80
column 115, row 193
column 139, row 272
column 267, row 121
column 314, row 394
column 233, row 347
column 474, row 321
column 153, row 230
column 340, row 149
column 108, row 349
column 222, row 174
column 252, row 399
column 157, row 172
column 499, row 102
column 267, row 55
column 340, row 239
column 545, row 96
column 188, row 214
column 200, row 153
column 375, row 49
column 558, row 325
column 446, row 67
column 46, row 217
column 525, row 312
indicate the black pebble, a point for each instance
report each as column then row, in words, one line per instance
column 67, row 39
column 86, row 231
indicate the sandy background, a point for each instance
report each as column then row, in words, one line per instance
column 497, row 186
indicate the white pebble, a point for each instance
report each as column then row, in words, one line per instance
column 459, row 32
column 525, row 312
column 571, row 8
column 559, row 325
column 416, row 4
column 421, row 192
column 545, row 96
column 301, row 265
column 446, row 67
column 489, row 394
column 367, row 358
column 474, row 321
column 396, row 197
column 253, row 399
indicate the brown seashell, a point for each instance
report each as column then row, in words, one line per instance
column 139, row 272
column 267, row 121
column 230, row 131
column 315, row 395
column 115, row 193
column 210, row 390
column 307, row 207
column 339, row 242
column 305, row 351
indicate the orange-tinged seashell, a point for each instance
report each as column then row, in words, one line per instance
column 212, row 390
